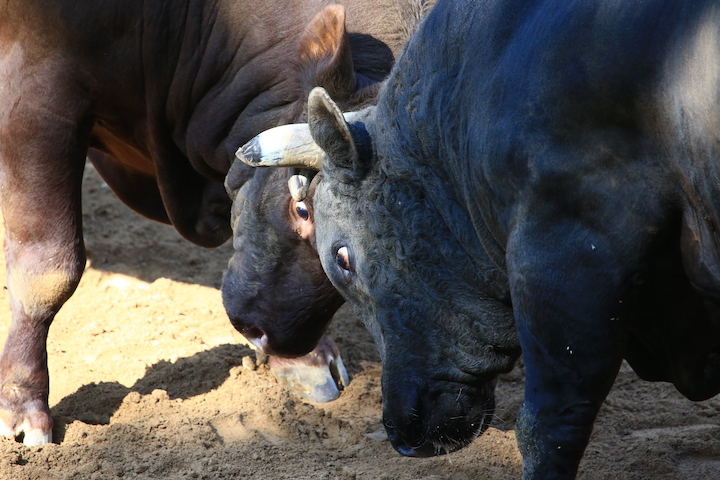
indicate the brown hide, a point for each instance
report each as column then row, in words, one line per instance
column 162, row 93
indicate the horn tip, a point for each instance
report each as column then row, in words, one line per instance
column 250, row 153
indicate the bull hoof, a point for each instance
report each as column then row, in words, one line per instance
column 319, row 376
column 31, row 436
column 37, row 437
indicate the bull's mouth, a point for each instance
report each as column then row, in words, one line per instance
column 262, row 344
column 287, row 346
column 449, row 436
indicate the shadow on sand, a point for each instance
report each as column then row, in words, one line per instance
column 95, row 403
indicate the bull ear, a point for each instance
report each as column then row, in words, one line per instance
column 325, row 58
column 347, row 145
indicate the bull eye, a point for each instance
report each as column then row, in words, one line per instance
column 301, row 210
column 342, row 258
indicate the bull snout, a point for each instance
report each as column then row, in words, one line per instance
column 426, row 420
column 294, row 344
column 276, row 323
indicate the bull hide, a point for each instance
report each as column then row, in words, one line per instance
column 158, row 95
column 538, row 176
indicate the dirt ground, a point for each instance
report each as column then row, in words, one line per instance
column 150, row 381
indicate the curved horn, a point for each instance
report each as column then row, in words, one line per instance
column 284, row 146
column 287, row 145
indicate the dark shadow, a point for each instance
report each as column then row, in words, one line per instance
column 212, row 366
column 120, row 240
column 96, row 403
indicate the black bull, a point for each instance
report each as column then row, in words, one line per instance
column 158, row 95
column 539, row 176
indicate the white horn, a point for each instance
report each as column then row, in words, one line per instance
column 284, row 146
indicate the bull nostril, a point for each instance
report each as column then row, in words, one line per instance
column 252, row 332
column 398, row 444
column 254, row 335
column 261, row 343
column 401, row 447
column 390, row 431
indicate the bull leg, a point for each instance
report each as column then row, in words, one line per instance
column 566, row 284
column 44, row 260
column 42, row 152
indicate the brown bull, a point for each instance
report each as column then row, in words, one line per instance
column 158, row 95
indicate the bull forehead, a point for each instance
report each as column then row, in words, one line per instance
column 412, row 278
column 373, row 215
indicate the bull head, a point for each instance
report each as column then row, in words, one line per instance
column 305, row 145
column 438, row 388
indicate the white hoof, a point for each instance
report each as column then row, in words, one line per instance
column 37, row 437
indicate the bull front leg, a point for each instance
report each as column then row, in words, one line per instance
column 43, row 141
column 567, row 284
column 38, row 285
column 44, row 261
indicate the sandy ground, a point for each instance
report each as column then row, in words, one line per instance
column 150, row 381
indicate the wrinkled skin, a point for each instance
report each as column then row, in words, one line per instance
column 542, row 175
column 158, row 95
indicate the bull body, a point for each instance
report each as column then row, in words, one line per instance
column 158, row 95
column 537, row 176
